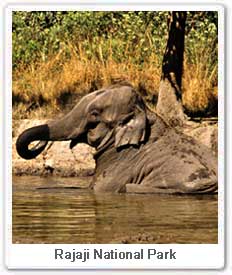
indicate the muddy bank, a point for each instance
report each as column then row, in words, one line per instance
column 57, row 159
column 205, row 132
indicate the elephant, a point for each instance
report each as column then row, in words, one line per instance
column 137, row 151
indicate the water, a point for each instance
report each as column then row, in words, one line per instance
column 55, row 210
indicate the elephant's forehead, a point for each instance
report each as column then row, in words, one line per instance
column 90, row 97
column 112, row 97
column 86, row 101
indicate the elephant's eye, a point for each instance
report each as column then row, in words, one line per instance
column 94, row 113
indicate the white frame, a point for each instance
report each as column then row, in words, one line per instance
column 23, row 256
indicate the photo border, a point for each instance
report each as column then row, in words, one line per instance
column 84, row 5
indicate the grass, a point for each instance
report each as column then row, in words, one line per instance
column 199, row 95
column 43, row 89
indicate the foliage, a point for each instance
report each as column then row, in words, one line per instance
column 132, row 41
column 38, row 35
column 201, row 44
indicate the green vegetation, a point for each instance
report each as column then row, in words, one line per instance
column 57, row 54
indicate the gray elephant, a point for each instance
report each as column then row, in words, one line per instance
column 136, row 150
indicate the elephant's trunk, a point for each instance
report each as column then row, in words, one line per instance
column 71, row 127
column 40, row 133
column 59, row 130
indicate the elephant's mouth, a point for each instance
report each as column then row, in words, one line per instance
column 97, row 135
column 105, row 143
column 98, row 142
column 93, row 139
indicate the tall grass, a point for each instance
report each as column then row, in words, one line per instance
column 50, row 83
column 200, row 81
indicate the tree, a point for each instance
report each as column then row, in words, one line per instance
column 169, row 103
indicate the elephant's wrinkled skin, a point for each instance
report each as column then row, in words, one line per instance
column 136, row 151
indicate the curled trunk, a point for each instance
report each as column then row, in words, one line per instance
column 40, row 133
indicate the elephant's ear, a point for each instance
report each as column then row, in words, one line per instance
column 132, row 129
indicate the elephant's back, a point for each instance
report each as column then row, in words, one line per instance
column 176, row 163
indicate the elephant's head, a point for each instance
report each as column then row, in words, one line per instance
column 113, row 116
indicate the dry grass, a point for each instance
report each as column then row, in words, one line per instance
column 199, row 88
column 46, row 83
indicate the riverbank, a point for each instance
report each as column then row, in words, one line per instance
column 59, row 160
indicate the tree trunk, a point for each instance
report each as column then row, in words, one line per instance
column 169, row 103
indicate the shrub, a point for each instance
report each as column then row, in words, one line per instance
column 59, row 53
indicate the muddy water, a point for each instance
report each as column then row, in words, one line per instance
column 50, row 210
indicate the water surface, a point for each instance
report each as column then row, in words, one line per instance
column 62, row 210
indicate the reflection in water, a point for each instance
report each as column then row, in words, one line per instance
column 48, row 210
